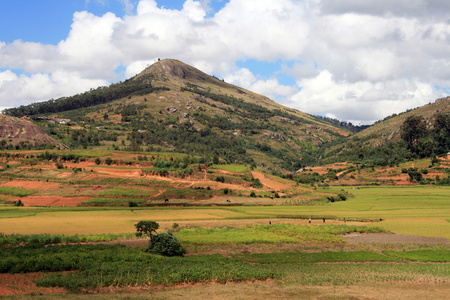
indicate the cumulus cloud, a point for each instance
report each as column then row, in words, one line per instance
column 357, row 61
column 362, row 101
column 21, row 90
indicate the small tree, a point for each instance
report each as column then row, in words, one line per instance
column 108, row 161
column 146, row 228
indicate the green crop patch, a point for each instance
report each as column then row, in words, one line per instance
column 230, row 168
column 422, row 255
column 317, row 233
column 127, row 192
column 299, row 257
column 18, row 192
column 112, row 201
column 230, row 236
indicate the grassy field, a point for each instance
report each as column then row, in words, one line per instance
column 419, row 210
column 290, row 256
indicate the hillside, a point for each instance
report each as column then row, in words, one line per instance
column 383, row 140
column 18, row 133
column 171, row 106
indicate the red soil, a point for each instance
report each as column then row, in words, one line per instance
column 32, row 184
column 52, row 200
column 22, row 284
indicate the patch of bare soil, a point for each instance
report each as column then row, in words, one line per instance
column 387, row 238
column 271, row 184
column 32, row 184
column 22, row 284
column 52, row 200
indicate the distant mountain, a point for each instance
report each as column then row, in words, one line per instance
column 171, row 106
column 18, row 133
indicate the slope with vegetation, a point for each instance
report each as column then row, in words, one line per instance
column 420, row 133
column 171, row 106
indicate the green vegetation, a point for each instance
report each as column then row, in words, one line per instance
column 18, row 192
column 298, row 257
column 112, row 201
column 422, row 255
column 47, row 239
column 280, row 233
column 230, row 168
column 127, row 192
column 97, row 96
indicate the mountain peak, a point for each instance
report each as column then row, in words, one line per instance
column 177, row 70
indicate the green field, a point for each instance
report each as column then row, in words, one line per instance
column 418, row 210
column 288, row 252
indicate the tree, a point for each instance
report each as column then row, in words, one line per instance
column 411, row 130
column 146, row 228
column 163, row 244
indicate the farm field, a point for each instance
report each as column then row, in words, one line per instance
column 414, row 210
column 246, row 232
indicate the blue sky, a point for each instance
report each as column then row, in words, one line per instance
column 358, row 63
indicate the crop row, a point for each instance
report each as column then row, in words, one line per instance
column 96, row 266
column 47, row 239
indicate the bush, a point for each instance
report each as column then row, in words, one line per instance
column 257, row 183
column 343, row 197
column 220, row 179
column 165, row 244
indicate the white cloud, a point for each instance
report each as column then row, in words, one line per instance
column 360, row 101
column 352, row 60
column 21, row 90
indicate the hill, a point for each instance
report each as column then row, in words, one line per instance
column 382, row 142
column 171, row 106
column 18, row 133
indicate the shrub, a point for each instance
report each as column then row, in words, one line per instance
column 220, row 179
column 343, row 197
column 257, row 183
column 165, row 244
column 252, row 194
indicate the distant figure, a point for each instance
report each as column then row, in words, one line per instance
column 309, row 221
column 381, row 219
column 166, row 200
column 270, row 223
column 345, row 220
column 324, row 220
